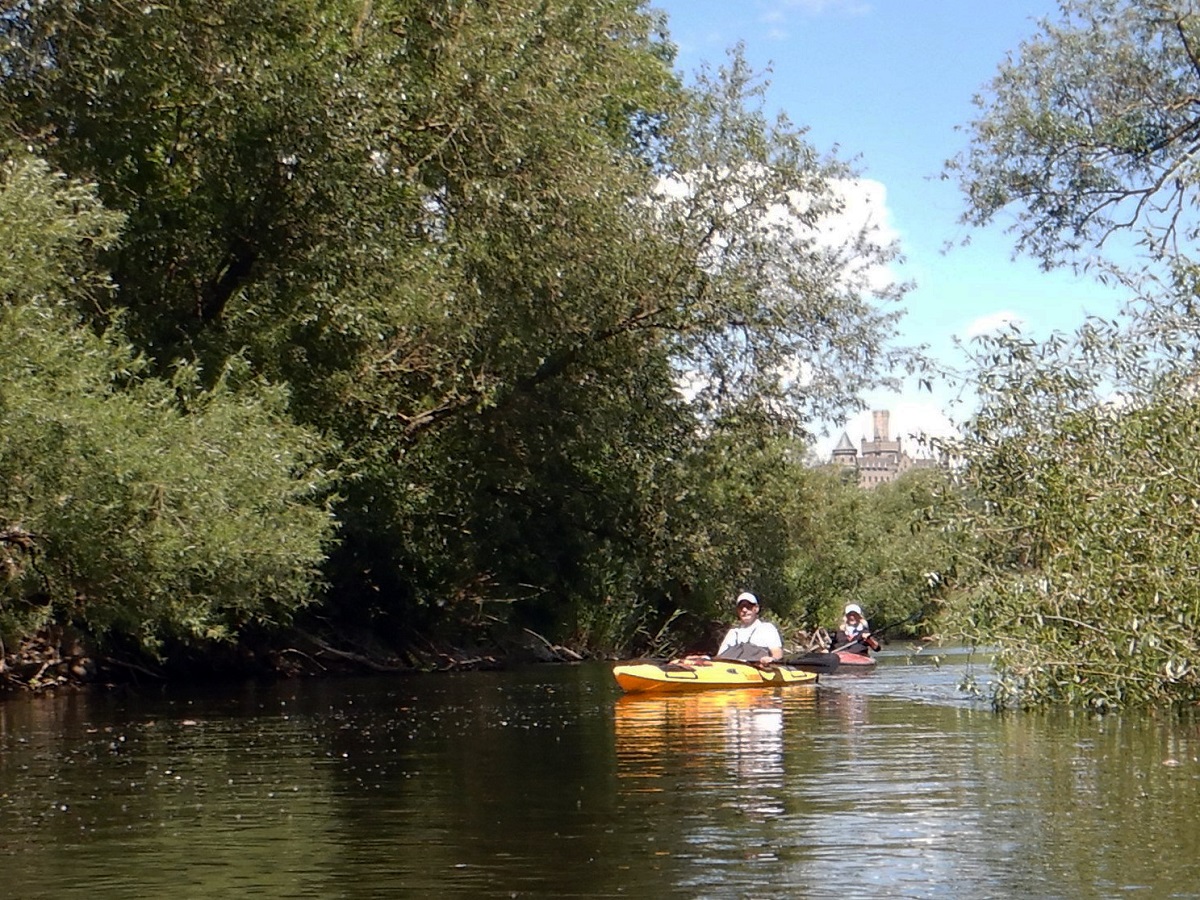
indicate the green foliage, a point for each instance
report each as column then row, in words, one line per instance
column 1082, row 477
column 500, row 256
column 803, row 539
column 1080, row 468
column 748, row 503
column 881, row 548
column 1089, row 130
column 131, row 506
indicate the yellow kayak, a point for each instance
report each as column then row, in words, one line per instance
column 644, row 676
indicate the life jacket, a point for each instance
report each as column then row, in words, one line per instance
column 853, row 642
column 745, row 652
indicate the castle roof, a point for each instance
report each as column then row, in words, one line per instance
column 844, row 444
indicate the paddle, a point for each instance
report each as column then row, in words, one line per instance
column 813, row 661
column 817, row 663
column 908, row 618
column 762, row 667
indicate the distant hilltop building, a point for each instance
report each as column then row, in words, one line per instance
column 881, row 459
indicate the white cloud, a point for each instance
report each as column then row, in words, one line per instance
column 821, row 7
column 864, row 208
column 866, row 201
column 993, row 322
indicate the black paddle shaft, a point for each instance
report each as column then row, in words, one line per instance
column 822, row 663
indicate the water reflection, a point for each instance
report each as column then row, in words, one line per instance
column 547, row 783
column 713, row 771
column 737, row 733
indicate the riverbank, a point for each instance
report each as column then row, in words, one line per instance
column 58, row 659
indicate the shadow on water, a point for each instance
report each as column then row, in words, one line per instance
column 546, row 782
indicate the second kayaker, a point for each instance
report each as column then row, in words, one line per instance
column 751, row 639
column 854, row 632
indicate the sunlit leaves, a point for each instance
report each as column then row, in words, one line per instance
column 1090, row 130
column 153, row 510
column 1083, row 490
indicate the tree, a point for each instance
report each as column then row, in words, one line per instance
column 137, row 509
column 450, row 231
column 1090, row 129
column 1079, row 464
column 1080, row 487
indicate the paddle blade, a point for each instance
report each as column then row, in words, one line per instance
column 821, row 663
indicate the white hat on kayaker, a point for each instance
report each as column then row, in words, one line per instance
column 745, row 597
column 852, row 608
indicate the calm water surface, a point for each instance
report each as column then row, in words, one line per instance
column 548, row 783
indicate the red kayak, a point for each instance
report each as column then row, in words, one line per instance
column 828, row 663
column 850, row 659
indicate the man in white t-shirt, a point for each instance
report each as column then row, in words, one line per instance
column 752, row 639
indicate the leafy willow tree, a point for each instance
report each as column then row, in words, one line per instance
column 483, row 246
column 1081, row 465
column 1089, row 130
column 1080, row 498
column 134, row 508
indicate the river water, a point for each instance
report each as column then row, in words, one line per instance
column 547, row 783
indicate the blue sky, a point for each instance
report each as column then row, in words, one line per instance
column 888, row 84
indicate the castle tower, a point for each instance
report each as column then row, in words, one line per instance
column 880, row 419
column 844, row 453
column 882, row 458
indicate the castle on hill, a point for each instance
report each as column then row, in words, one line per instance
column 881, row 459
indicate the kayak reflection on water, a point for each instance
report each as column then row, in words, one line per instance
column 662, row 738
column 754, row 753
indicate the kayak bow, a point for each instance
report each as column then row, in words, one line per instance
column 645, row 676
column 846, row 659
